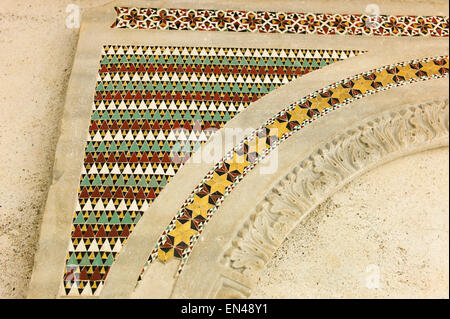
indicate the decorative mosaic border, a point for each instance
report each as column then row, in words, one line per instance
column 182, row 233
column 153, row 107
column 280, row 22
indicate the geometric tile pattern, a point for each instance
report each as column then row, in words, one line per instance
column 153, row 107
column 280, row 22
column 184, row 230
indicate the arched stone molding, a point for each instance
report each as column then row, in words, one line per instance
column 326, row 170
column 358, row 149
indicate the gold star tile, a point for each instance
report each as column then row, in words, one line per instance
column 218, row 183
column 199, row 206
column 237, row 163
column 182, row 233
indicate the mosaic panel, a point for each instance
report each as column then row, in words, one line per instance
column 179, row 238
column 280, row 22
column 153, row 107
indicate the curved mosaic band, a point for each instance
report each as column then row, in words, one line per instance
column 280, row 22
column 182, row 233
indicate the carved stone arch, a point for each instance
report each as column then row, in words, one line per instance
column 328, row 169
column 352, row 152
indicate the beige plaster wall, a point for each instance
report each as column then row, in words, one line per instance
column 395, row 217
column 36, row 54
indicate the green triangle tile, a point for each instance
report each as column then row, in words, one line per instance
column 236, row 88
column 216, row 61
column 98, row 260
column 100, row 87
column 108, row 181
column 131, row 181
column 134, row 147
column 166, row 147
column 136, row 115
column 226, row 88
column 197, row 146
column 145, row 147
column 217, row 117
column 72, row 260
column 127, row 219
column 255, row 89
column 234, row 61
column 161, row 60
column 120, row 181
column 197, row 60
column 177, row 116
column 179, row 60
column 207, row 117
column 114, row 60
column 198, row 87
column 217, row 87
column 167, row 116
column 314, row 64
column 112, row 147
column 91, row 219
column 126, row 115
column 153, row 182
column 245, row 89
column 142, row 182
column 137, row 218
column 79, row 219
column 156, row 116
column 85, row 181
column 110, row 260
column 188, row 87
column 178, row 87
column 105, row 116
column 169, row 86
column 95, row 116
column 90, row 148
column 140, row 87
column 176, row 147
column 149, row 87
column 147, row 115
column 263, row 89
column 198, row 116
column 97, row 181
column 124, row 59
column 85, row 260
column 142, row 60
column 114, row 219
column 103, row 219
column 206, row 61
column 129, row 86
column 155, row 148
column 226, row 117
column 105, row 60
column 101, row 147
column 120, row 87
column 116, row 115
column 163, row 182
column 123, row 147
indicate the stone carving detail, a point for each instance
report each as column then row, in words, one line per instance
column 326, row 170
